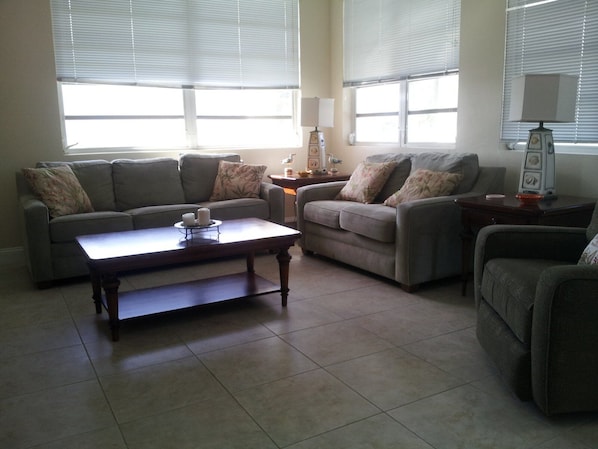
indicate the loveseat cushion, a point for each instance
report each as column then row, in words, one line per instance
column 66, row 228
column 238, row 208
column 466, row 164
column 325, row 212
column 374, row 221
column 198, row 173
column 159, row 216
column 146, row 182
column 95, row 177
column 509, row 287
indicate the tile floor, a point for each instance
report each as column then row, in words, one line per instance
column 352, row 362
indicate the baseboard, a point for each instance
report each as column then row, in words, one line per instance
column 11, row 257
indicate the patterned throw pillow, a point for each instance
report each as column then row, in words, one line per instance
column 59, row 189
column 237, row 180
column 425, row 184
column 590, row 254
column 366, row 181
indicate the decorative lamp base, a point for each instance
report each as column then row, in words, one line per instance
column 316, row 151
column 538, row 165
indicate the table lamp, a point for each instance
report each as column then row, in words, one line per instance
column 317, row 112
column 541, row 98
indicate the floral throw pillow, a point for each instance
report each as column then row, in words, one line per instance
column 366, row 181
column 237, row 180
column 424, row 184
column 59, row 189
column 590, row 254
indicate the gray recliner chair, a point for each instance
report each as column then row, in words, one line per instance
column 537, row 312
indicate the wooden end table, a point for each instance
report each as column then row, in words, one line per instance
column 290, row 184
column 477, row 212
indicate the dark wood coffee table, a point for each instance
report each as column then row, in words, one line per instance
column 117, row 252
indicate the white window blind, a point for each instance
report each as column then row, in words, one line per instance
column 389, row 40
column 554, row 36
column 198, row 43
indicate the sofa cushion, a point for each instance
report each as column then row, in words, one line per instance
column 424, row 184
column 374, row 221
column 198, row 173
column 325, row 212
column 590, row 253
column 464, row 163
column 159, row 216
column 95, row 177
column 366, row 181
column 239, row 208
column 509, row 287
column 146, row 182
column 66, row 228
column 237, row 180
column 59, row 189
column 397, row 177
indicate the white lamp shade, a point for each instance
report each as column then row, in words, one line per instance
column 317, row 112
column 543, row 98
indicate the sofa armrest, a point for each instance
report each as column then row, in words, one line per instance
column 565, row 339
column 315, row 192
column 274, row 195
column 34, row 219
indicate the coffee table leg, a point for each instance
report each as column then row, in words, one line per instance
column 284, row 258
column 250, row 262
column 96, row 287
column 111, row 284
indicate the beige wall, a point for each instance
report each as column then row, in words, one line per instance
column 30, row 127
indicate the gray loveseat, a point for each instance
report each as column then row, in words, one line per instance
column 125, row 195
column 416, row 242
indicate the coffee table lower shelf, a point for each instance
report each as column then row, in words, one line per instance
column 170, row 298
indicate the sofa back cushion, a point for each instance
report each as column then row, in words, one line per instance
column 146, row 182
column 96, row 179
column 464, row 163
column 198, row 173
column 398, row 176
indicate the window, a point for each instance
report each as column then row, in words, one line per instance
column 400, row 63
column 554, row 36
column 177, row 74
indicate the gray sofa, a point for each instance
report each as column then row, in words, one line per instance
column 416, row 242
column 125, row 195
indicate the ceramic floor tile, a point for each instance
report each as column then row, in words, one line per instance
column 37, row 338
column 159, row 388
column 380, row 432
column 109, row 438
column 458, row 353
column 34, row 372
column 293, row 409
column 209, row 424
column 467, row 417
column 392, row 378
column 53, row 414
column 336, row 342
column 256, row 363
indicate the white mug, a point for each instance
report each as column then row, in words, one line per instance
column 189, row 219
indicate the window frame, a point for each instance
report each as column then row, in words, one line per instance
column 403, row 115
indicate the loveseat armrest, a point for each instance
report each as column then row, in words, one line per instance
column 315, row 192
column 274, row 195
column 565, row 339
column 489, row 180
column 526, row 241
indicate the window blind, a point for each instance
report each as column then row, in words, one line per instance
column 389, row 40
column 198, row 43
column 554, row 36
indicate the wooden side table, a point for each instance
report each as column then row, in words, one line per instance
column 477, row 212
column 290, row 184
